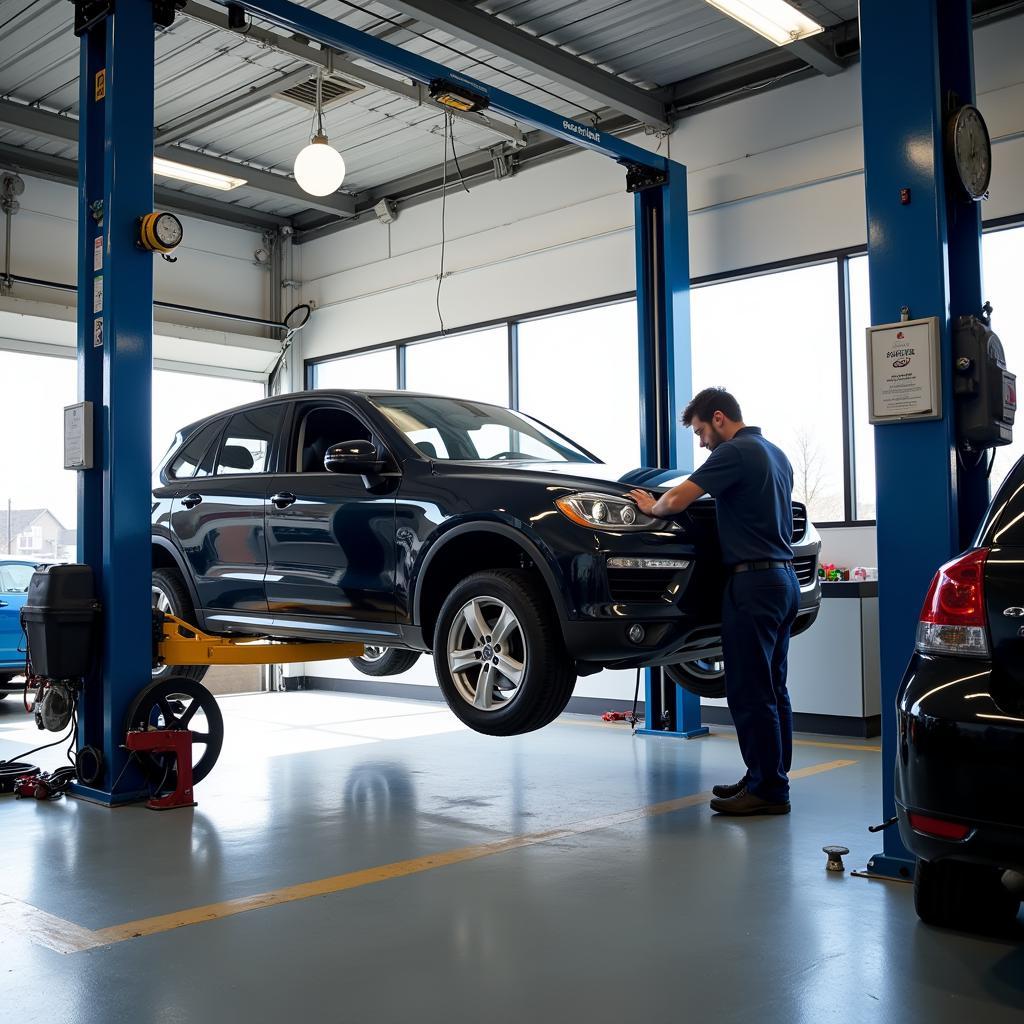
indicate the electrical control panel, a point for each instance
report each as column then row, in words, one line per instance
column 985, row 391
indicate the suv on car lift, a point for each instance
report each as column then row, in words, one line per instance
column 418, row 523
column 959, row 784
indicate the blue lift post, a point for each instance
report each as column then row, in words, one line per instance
column 114, row 498
column 115, row 361
column 924, row 255
column 663, row 311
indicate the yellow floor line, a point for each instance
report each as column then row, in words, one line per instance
column 727, row 736
column 64, row 937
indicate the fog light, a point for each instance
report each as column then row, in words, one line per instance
column 636, row 633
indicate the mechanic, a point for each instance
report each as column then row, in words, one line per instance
column 752, row 483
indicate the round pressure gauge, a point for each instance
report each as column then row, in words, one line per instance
column 971, row 150
column 160, row 232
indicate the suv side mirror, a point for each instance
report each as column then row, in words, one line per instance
column 353, row 457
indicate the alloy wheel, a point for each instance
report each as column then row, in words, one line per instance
column 161, row 603
column 487, row 653
column 373, row 653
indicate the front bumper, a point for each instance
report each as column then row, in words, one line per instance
column 960, row 757
column 679, row 609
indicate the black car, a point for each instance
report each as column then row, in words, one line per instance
column 960, row 763
column 417, row 523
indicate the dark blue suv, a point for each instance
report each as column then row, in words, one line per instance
column 416, row 523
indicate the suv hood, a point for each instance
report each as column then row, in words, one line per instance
column 597, row 473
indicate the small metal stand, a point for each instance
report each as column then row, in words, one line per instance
column 669, row 710
column 176, row 742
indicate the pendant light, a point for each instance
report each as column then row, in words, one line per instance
column 319, row 167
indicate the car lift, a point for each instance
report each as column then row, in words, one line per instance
column 115, row 315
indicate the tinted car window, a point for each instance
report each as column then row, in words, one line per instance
column 247, row 440
column 322, row 426
column 473, row 431
column 14, row 579
column 191, row 456
column 1004, row 523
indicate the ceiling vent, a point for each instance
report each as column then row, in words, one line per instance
column 334, row 90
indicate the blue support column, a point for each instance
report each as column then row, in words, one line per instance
column 923, row 255
column 663, row 312
column 115, row 358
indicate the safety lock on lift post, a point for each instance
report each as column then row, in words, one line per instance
column 161, row 233
column 639, row 178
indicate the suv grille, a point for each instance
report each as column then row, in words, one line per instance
column 640, row 584
column 805, row 568
column 704, row 512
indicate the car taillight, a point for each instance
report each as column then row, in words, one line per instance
column 953, row 616
column 938, row 827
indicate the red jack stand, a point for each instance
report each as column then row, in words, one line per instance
column 168, row 741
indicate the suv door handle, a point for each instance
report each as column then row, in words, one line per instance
column 283, row 499
column 3, row 604
column 191, row 500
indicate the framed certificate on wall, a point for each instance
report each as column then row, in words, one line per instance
column 904, row 371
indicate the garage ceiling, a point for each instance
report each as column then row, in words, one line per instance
column 619, row 64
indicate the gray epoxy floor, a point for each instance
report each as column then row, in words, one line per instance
column 681, row 915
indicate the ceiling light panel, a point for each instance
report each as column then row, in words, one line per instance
column 776, row 20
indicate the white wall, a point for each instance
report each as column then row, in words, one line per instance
column 772, row 177
column 215, row 267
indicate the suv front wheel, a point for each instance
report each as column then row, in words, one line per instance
column 499, row 655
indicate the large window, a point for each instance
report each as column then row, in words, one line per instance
column 36, row 389
column 863, row 431
column 579, row 372
column 375, row 370
column 182, row 398
column 1003, row 256
column 773, row 341
column 471, row 365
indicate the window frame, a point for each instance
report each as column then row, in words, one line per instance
column 840, row 257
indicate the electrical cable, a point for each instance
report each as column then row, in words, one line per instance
column 991, row 464
column 444, row 197
column 455, row 156
column 633, row 717
column 45, row 746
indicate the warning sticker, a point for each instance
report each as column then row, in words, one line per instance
column 97, row 253
column 97, row 332
column 101, row 84
column 97, row 294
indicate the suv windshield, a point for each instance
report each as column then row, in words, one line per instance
column 454, row 428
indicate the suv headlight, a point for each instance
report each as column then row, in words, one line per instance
column 605, row 512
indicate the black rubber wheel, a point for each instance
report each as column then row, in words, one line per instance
column 171, row 595
column 705, row 678
column 499, row 655
column 178, row 703
column 384, row 661
column 968, row 897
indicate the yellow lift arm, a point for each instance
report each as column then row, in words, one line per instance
column 182, row 644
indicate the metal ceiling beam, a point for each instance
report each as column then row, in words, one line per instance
column 220, row 109
column 42, row 122
column 530, row 52
column 335, row 62
column 55, row 168
column 818, row 55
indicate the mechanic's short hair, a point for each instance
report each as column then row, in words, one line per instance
column 709, row 401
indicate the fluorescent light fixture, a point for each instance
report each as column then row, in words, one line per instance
column 774, row 19
column 182, row 172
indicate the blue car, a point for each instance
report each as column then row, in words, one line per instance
column 14, row 580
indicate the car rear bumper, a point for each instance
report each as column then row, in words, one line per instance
column 960, row 756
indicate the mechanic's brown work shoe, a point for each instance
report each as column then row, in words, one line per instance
column 731, row 790
column 746, row 803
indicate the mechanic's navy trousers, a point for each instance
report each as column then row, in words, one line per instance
column 758, row 610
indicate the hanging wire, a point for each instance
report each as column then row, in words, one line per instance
column 444, row 197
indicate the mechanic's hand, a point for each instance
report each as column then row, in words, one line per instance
column 644, row 500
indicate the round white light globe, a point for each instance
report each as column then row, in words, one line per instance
column 319, row 168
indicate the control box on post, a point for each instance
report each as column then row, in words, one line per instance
column 986, row 392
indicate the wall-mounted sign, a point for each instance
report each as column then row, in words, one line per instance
column 904, row 371
column 78, row 436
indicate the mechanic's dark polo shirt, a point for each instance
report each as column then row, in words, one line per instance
column 752, row 483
